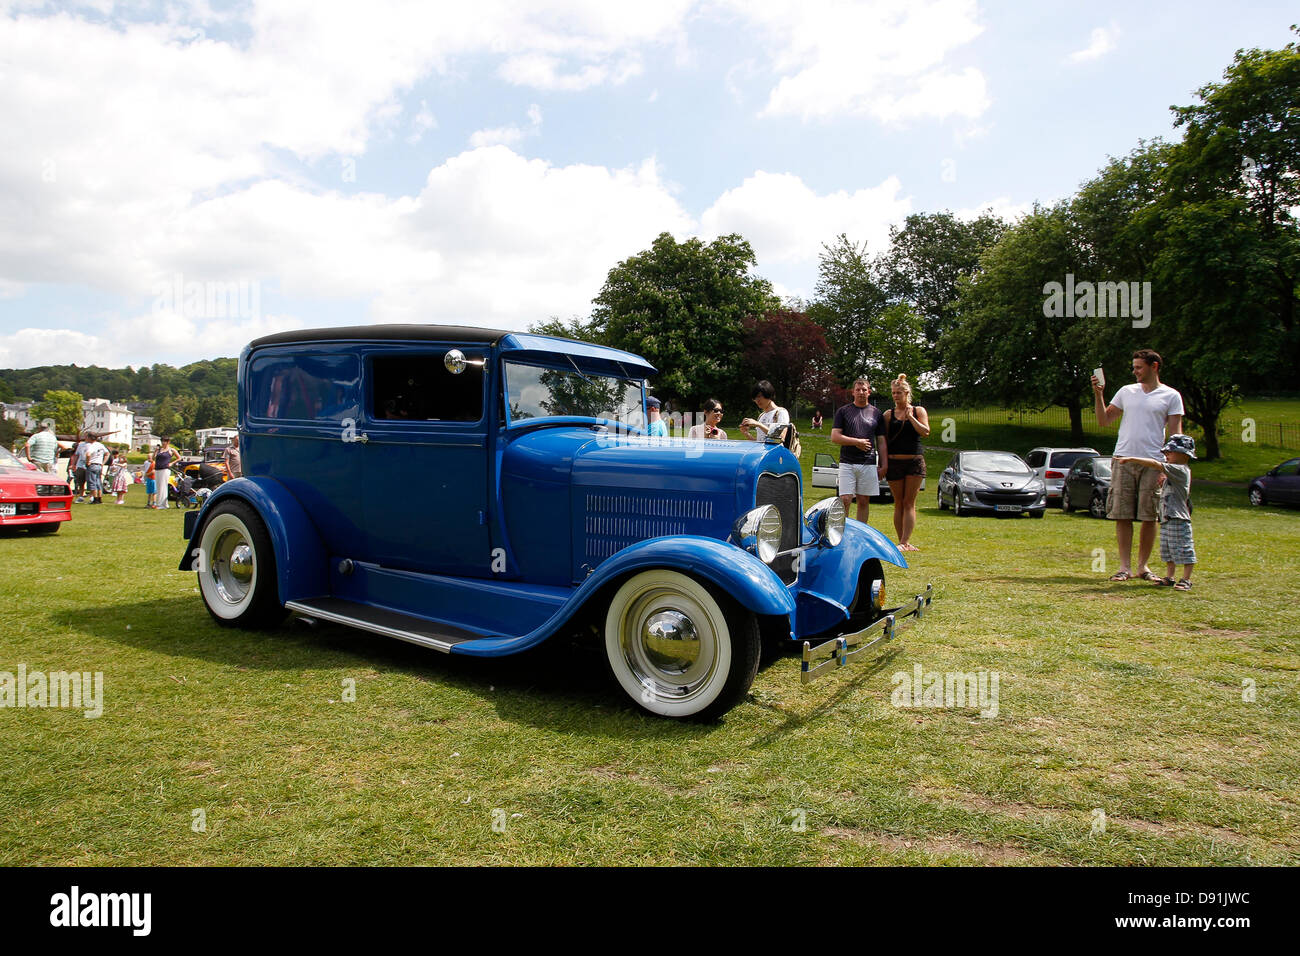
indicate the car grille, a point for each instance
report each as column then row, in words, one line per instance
column 1007, row 497
column 52, row 489
column 782, row 491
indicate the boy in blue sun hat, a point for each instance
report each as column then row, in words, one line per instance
column 1175, row 512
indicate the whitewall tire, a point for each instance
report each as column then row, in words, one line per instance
column 676, row 649
column 236, row 568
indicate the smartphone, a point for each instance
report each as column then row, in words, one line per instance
column 1101, row 376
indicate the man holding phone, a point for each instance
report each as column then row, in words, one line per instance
column 1144, row 410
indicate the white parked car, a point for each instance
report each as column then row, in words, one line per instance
column 826, row 474
column 1052, row 464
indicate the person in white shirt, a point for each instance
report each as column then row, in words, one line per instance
column 96, row 454
column 770, row 413
column 1145, row 410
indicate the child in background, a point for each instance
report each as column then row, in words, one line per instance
column 118, row 473
column 1175, row 516
column 150, row 485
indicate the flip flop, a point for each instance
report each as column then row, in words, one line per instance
column 1149, row 575
column 1121, row 576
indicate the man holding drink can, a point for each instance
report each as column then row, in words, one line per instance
column 1144, row 409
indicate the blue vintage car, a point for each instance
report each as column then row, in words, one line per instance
column 478, row 492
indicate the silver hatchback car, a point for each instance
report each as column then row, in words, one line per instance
column 1051, row 465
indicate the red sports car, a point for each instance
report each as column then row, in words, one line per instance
column 30, row 498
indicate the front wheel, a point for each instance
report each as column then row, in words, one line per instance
column 236, row 568
column 675, row 649
column 1065, row 500
column 1256, row 497
column 957, row 509
column 942, row 506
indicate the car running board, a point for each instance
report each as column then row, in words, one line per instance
column 404, row 627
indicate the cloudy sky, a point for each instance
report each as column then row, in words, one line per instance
column 178, row 178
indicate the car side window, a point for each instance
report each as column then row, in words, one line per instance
column 1037, row 459
column 303, row 387
column 420, row 388
column 1289, row 468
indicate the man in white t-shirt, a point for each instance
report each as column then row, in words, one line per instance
column 770, row 413
column 96, row 455
column 1145, row 409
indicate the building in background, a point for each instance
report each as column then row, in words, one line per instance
column 214, row 436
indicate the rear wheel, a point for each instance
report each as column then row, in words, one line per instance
column 236, row 568
column 942, row 506
column 676, row 649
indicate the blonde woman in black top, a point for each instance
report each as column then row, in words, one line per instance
column 905, row 425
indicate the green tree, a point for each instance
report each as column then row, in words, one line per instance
column 870, row 335
column 216, row 411
column 1243, row 140
column 788, row 349
column 6, row 391
column 682, row 306
column 927, row 258
column 62, row 406
column 573, row 329
column 1006, row 347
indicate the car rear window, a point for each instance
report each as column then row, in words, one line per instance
column 1064, row 459
column 303, row 387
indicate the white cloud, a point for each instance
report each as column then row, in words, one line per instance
column 1101, row 42
column 886, row 60
column 508, row 135
column 421, row 123
column 787, row 222
column 1002, row 207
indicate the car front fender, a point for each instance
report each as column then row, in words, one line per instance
column 829, row 576
column 301, row 563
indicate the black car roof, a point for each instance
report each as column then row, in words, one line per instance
column 369, row 333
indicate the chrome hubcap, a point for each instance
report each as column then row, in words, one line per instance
column 232, row 566
column 670, row 643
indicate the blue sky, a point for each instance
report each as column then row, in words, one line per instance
column 487, row 164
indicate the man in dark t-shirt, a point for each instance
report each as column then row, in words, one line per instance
column 859, row 429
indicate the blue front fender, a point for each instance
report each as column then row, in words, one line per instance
column 830, row 576
column 738, row 573
column 301, row 564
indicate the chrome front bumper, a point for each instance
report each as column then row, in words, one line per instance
column 839, row 651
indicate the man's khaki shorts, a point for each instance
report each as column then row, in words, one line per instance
column 1134, row 493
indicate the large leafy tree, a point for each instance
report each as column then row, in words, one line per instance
column 871, row 335
column 788, row 349
column 928, row 256
column 682, row 305
column 64, row 407
column 216, row 411
column 1243, row 140
column 1007, row 347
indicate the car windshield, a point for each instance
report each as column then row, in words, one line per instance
column 534, row 392
column 1101, row 467
column 9, row 460
column 994, row 461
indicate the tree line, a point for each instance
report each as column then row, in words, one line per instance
column 1191, row 248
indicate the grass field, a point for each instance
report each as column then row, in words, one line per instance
column 1115, row 699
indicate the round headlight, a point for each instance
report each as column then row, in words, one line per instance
column 759, row 531
column 826, row 520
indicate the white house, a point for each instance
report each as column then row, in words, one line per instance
column 214, row 436
column 113, row 423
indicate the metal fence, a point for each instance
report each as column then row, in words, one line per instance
column 1236, row 431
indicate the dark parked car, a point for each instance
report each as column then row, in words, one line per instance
column 543, row 508
column 1087, row 484
column 1051, row 464
column 1281, row 486
column 993, row 482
